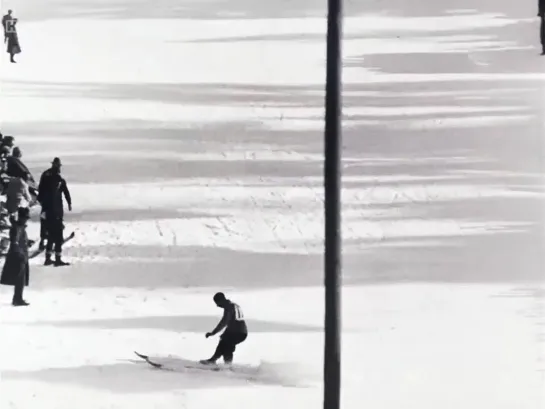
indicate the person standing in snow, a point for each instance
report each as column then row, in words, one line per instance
column 16, row 271
column 541, row 14
column 12, row 39
column 235, row 332
column 16, row 168
column 17, row 194
column 50, row 191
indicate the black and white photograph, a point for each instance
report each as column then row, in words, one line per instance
column 296, row 203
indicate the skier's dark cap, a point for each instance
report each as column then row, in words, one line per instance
column 218, row 297
column 56, row 162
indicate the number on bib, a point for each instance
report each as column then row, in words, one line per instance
column 239, row 315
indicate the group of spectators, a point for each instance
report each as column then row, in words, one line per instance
column 18, row 194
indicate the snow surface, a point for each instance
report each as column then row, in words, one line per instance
column 191, row 134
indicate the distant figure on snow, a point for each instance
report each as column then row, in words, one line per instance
column 541, row 14
column 11, row 37
column 235, row 332
column 5, row 22
column 50, row 191
column 16, row 271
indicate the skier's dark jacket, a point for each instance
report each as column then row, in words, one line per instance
column 52, row 187
column 232, row 320
column 542, row 7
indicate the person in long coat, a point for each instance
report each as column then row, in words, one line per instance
column 16, row 271
column 13, row 47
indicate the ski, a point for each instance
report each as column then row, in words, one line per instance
column 39, row 251
column 177, row 365
column 147, row 359
column 141, row 356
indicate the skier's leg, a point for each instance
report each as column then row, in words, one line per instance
column 223, row 345
column 232, row 346
column 220, row 350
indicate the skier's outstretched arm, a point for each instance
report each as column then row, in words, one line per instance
column 222, row 324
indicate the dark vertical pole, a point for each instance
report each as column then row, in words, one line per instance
column 332, row 189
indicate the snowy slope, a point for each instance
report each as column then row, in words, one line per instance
column 191, row 134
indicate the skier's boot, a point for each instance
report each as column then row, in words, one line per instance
column 48, row 261
column 19, row 303
column 59, row 262
column 207, row 362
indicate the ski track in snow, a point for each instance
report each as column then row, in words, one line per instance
column 193, row 151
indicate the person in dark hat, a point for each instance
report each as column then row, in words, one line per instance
column 16, row 271
column 235, row 332
column 50, row 191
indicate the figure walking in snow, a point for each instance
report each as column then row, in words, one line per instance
column 235, row 332
column 16, row 270
column 50, row 191
column 12, row 39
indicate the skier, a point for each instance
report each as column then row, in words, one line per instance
column 541, row 14
column 16, row 270
column 50, row 191
column 235, row 332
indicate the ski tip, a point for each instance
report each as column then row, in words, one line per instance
column 141, row 355
column 155, row 365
